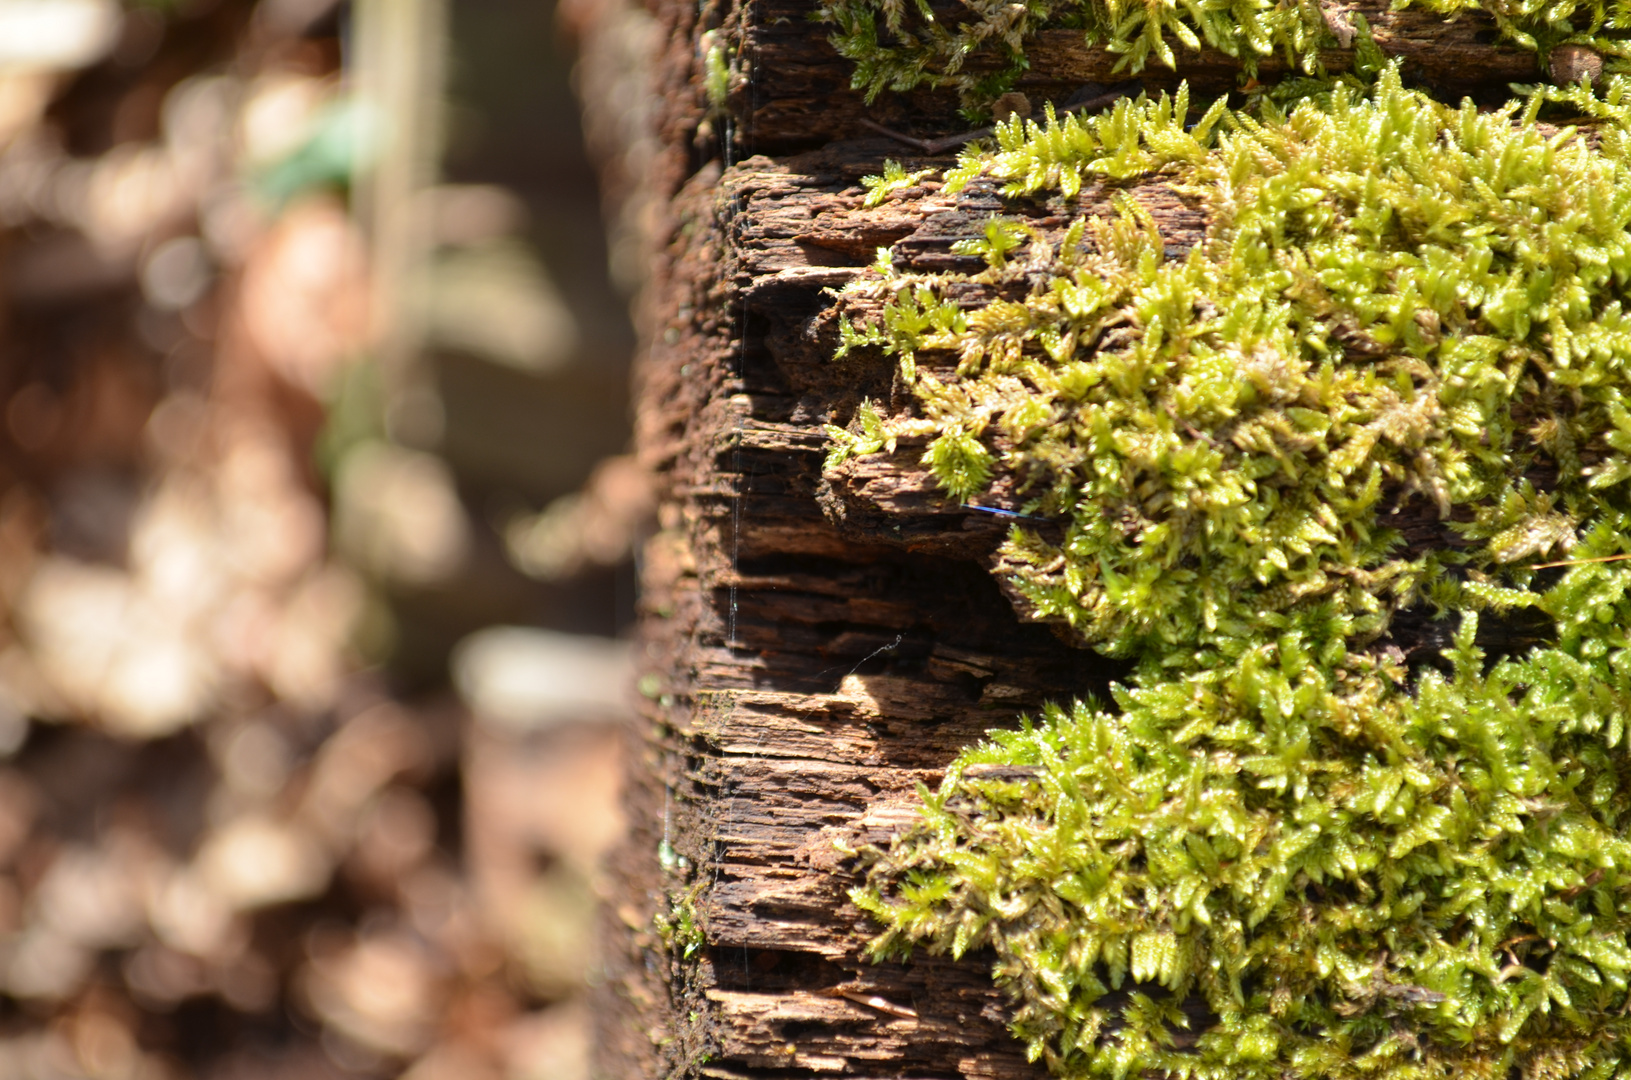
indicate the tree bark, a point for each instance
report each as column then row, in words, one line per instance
column 817, row 647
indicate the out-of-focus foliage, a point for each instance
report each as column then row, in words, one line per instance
column 229, row 848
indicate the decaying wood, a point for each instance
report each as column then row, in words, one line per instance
column 818, row 646
column 810, row 679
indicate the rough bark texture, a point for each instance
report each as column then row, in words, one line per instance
column 814, row 672
column 817, row 647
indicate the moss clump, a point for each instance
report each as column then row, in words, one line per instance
column 1395, row 300
column 679, row 926
column 1320, row 864
column 1314, row 872
column 899, row 45
column 894, row 178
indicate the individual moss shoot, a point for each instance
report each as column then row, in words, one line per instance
column 1284, row 852
column 979, row 46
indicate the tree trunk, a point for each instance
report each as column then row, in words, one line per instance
column 816, row 648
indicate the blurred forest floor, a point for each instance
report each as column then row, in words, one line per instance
column 251, row 827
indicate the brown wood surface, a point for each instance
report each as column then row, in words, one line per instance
column 819, row 646
column 813, row 676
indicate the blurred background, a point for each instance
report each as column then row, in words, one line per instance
column 315, row 532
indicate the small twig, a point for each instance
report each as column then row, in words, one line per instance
column 1591, row 879
column 1576, row 562
column 952, row 142
column 914, row 143
column 1199, row 434
column 873, row 1001
column 936, row 147
column 1000, row 772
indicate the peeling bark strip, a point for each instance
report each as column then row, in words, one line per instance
column 816, row 648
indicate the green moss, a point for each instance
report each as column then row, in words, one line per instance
column 716, row 69
column 894, row 178
column 868, row 440
column 1351, row 880
column 1395, row 300
column 899, row 45
column 1319, row 863
column 679, row 925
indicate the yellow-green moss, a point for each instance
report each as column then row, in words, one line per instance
column 902, row 44
column 1395, row 300
column 679, row 925
column 894, row 178
column 1319, row 863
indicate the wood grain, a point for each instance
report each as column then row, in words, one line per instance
column 793, row 90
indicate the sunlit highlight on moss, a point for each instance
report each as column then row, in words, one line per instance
column 1285, row 854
